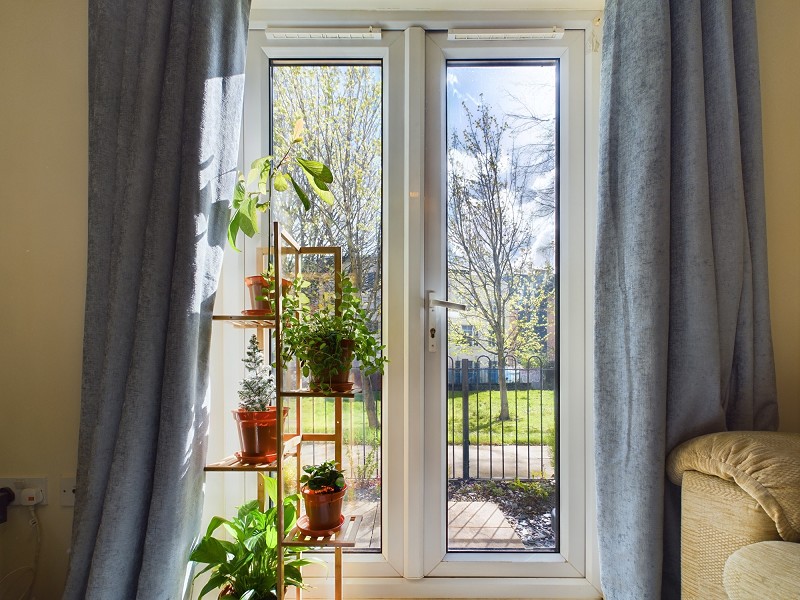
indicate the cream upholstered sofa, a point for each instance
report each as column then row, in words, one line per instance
column 738, row 490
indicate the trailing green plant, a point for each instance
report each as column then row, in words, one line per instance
column 317, row 337
column 549, row 439
column 257, row 389
column 535, row 488
column 246, row 568
column 368, row 468
column 324, row 477
column 270, row 173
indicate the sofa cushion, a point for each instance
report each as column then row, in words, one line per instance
column 763, row 570
column 765, row 464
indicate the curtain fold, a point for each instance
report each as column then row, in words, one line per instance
column 682, row 335
column 166, row 82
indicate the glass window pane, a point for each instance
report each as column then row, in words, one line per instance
column 341, row 105
column 502, row 246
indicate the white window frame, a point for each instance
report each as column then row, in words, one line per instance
column 400, row 569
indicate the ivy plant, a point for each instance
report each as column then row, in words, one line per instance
column 318, row 337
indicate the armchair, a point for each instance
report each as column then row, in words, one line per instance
column 739, row 489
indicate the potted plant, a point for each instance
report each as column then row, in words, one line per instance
column 262, row 290
column 327, row 339
column 270, row 173
column 246, row 568
column 323, row 487
column 256, row 417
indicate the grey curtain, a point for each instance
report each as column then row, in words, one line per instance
column 682, row 339
column 166, row 80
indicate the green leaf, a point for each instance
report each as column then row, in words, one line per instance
column 214, row 583
column 271, row 487
column 258, row 167
column 209, row 550
column 300, row 193
column 233, row 230
column 238, row 192
column 251, row 542
column 292, row 574
column 247, row 508
column 289, row 516
column 320, row 188
column 297, row 132
column 249, row 220
column 271, row 537
column 213, row 524
column 280, row 183
column 316, row 169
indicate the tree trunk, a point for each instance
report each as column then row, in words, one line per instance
column 370, row 406
column 505, row 415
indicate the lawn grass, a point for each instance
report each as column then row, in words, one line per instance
column 318, row 416
column 532, row 418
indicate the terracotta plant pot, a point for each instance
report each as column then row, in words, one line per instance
column 324, row 511
column 228, row 593
column 339, row 381
column 259, row 288
column 258, row 434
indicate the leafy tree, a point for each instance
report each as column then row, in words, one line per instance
column 541, row 150
column 491, row 205
column 342, row 109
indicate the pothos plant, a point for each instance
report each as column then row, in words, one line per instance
column 320, row 338
column 257, row 389
column 254, row 195
column 246, row 568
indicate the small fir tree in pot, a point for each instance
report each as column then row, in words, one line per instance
column 257, row 389
column 256, row 416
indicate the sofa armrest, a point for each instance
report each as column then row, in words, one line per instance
column 765, row 464
column 763, row 570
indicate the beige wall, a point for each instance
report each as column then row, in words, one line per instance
column 43, row 158
column 43, row 148
column 780, row 90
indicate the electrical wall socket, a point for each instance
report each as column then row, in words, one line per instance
column 20, row 483
column 67, row 487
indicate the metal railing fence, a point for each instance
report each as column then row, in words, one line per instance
column 480, row 444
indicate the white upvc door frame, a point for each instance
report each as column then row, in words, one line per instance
column 570, row 561
column 407, row 567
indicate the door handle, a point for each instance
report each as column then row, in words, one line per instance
column 434, row 331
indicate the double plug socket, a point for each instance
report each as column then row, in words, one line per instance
column 18, row 484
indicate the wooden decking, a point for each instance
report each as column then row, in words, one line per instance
column 471, row 526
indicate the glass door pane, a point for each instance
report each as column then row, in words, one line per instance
column 341, row 104
column 502, row 352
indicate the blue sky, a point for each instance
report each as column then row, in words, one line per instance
column 508, row 89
